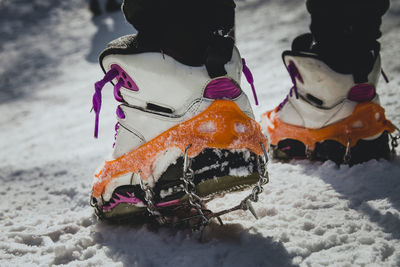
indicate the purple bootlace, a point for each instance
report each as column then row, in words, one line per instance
column 123, row 80
column 283, row 103
column 249, row 77
column 98, row 86
column 294, row 73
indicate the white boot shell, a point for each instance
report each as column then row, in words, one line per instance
column 323, row 83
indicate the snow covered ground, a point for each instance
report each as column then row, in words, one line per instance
column 311, row 214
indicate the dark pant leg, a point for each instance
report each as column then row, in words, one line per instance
column 193, row 32
column 94, row 7
column 345, row 33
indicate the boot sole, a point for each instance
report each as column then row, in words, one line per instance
column 330, row 142
column 363, row 151
column 125, row 211
column 213, row 175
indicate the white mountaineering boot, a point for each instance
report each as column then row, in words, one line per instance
column 179, row 134
column 327, row 115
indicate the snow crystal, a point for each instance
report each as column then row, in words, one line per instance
column 242, row 171
column 207, row 127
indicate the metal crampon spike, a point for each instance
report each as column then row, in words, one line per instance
column 347, row 154
column 248, row 206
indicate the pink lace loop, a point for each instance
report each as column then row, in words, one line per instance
column 117, row 87
column 120, row 113
column 249, row 77
column 97, row 97
column 124, row 80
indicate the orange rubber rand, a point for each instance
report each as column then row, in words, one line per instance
column 368, row 119
column 222, row 125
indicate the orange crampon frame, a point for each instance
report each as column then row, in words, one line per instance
column 368, row 119
column 222, row 125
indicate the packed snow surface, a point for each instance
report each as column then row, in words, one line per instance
column 311, row 213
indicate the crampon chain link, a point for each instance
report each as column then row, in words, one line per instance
column 395, row 140
column 394, row 144
column 149, row 196
column 245, row 204
column 190, row 190
column 204, row 216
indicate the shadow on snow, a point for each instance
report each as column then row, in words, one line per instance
column 370, row 181
column 227, row 245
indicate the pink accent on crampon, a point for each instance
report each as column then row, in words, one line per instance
column 222, row 88
column 362, row 92
column 126, row 79
column 168, row 203
column 285, row 148
column 134, row 200
column 122, row 199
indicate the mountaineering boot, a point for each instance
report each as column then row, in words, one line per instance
column 169, row 110
column 185, row 129
column 327, row 115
